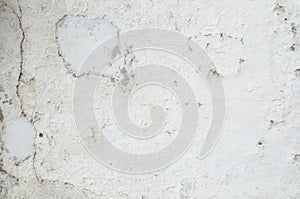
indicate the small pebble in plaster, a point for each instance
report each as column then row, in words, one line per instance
column 207, row 45
column 293, row 47
column 221, row 36
column 297, row 72
column 18, row 138
column 297, row 157
column 242, row 41
column 241, row 61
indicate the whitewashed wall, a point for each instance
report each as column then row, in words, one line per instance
column 255, row 47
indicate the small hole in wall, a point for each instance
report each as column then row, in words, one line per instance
column 272, row 121
column 260, row 143
column 297, row 72
column 41, row 135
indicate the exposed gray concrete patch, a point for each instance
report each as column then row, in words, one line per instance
column 18, row 138
column 78, row 36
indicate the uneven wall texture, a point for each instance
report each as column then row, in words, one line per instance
column 255, row 47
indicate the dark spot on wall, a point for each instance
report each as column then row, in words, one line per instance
column 221, row 35
column 1, row 115
column 293, row 28
column 293, row 47
column 260, row 143
column 207, row 45
column 7, row 102
column 279, row 8
column 297, row 157
column 213, row 72
column 41, row 135
column 297, row 72
column 115, row 52
column 242, row 41
column 128, row 6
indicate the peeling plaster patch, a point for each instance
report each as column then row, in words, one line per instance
column 78, row 36
column 18, row 138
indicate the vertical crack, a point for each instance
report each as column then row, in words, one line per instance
column 19, row 17
column 21, row 61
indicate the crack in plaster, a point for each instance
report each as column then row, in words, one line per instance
column 19, row 17
column 18, row 93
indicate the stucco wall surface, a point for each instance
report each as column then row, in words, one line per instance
column 254, row 46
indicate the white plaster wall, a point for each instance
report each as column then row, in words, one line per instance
column 255, row 47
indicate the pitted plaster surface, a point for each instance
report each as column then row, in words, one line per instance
column 255, row 48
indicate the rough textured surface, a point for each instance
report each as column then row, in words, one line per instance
column 255, row 48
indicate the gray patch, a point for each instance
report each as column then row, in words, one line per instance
column 297, row 72
column 116, row 51
column 1, row 115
